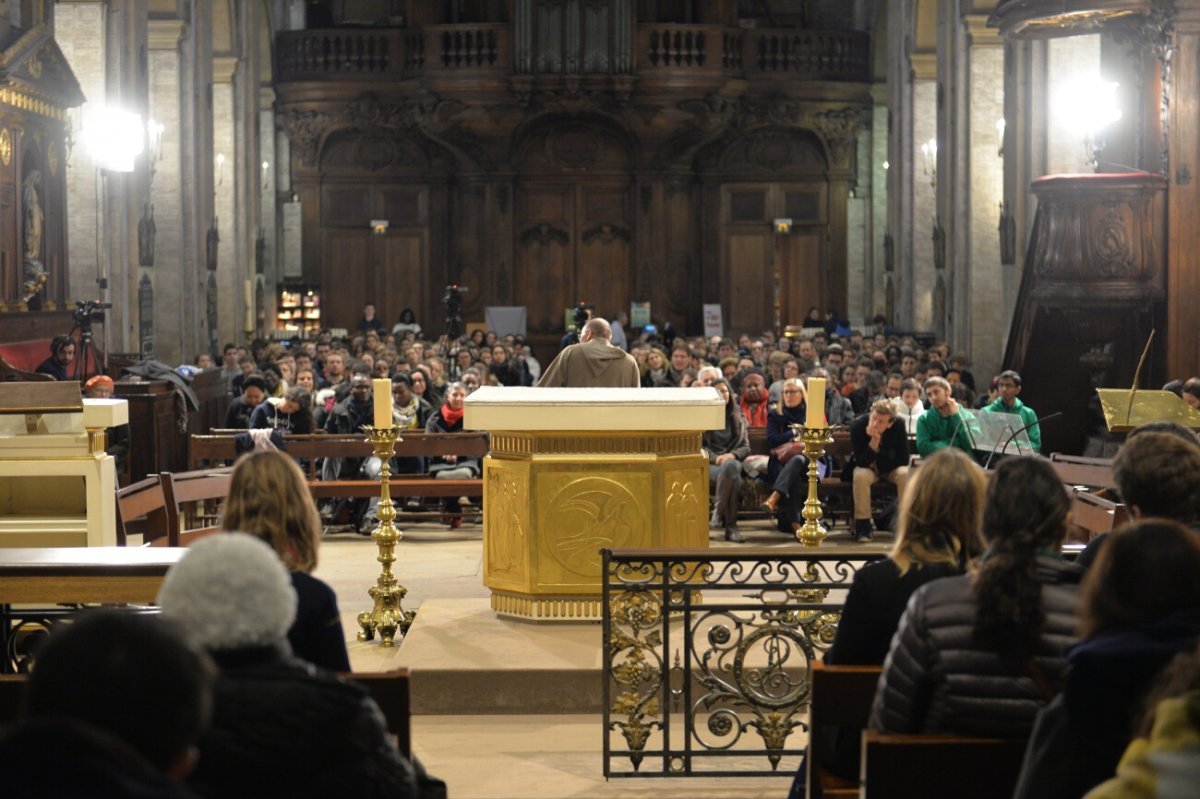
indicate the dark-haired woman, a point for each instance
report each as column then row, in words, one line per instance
column 407, row 324
column 1140, row 608
column 726, row 449
column 981, row 654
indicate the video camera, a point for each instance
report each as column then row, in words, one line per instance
column 88, row 311
column 452, row 299
column 582, row 314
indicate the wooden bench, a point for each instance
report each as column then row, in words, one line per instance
column 841, row 697
column 309, row 449
column 142, row 510
column 939, row 766
column 390, row 690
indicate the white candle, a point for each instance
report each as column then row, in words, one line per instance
column 816, row 403
column 382, row 389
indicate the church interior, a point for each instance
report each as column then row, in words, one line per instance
column 1006, row 180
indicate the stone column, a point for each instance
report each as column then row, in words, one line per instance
column 979, row 324
column 171, row 288
column 75, row 32
column 230, row 270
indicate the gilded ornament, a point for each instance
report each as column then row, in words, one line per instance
column 5, row 147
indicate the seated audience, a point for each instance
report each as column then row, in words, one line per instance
column 254, row 392
column 1157, row 474
column 449, row 419
column 753, row 400
column 116, row 438
column 726, row 449
column 1140, row 607
column 981, row 654
column 788, row 479
column 1163, row 762
column 946, row 423
column 114, row 708
column 879, row 452
column 291, row 413
column 269, row 499
column 62, row 353
column 937, row 536
column 1009, row 386
column 280, row 726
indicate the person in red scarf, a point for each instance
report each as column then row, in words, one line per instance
column 449, row 419
column 753, row 401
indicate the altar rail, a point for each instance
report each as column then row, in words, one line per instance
column 708, row 656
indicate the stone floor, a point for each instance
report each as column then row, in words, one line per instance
column 460, row 649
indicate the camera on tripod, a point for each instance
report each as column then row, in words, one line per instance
column 452, row 299
column 89, row 311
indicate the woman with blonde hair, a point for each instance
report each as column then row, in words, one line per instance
column 937, row 536
column 269, row 499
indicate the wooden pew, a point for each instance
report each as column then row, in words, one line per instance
column 1092, row 511
column 841, row 697
column 143, row 508
column 221, row 448
column 939, row 766
column 184, row 491
column 12, row 698
column 390, row 690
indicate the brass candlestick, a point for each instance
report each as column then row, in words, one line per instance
column 387, row 616
column 812, row 533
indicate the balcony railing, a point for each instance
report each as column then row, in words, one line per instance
column 828, row 55
column 686, row 52
column 339, row 54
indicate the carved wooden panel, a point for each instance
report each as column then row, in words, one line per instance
column 775, row 152
column 749, row 279
column 748, row 206
column 405, row 205
column 346, row 206
column 801, row 274
column 400, row 277
column 805, row 206
column 344, row 253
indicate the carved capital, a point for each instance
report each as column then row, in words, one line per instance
column 839, row 129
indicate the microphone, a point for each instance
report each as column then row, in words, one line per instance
column 1016, row 433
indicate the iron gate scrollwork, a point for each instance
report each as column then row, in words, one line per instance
column 707, row 657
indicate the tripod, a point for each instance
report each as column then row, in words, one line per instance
column 86, row 351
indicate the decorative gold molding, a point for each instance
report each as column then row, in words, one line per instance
column 23, row 101
column 5, row 147
column 981, row 35
column 924, row 66
column 547, row 608
column 623, row 445
column 224, row 68
column 164, row 34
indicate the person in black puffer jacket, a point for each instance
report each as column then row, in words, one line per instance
column 280, row 726
column 982, row 654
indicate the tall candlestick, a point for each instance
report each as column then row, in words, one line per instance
column 382, row 388
column 816, row 403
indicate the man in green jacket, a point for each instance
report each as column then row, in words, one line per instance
column 1007, row 402
column 945, row 424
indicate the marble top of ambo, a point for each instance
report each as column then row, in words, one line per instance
column 633, row 409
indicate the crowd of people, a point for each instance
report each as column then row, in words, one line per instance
column 896, row 395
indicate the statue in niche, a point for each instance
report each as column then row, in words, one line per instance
column 146, row 232
column 34, row 274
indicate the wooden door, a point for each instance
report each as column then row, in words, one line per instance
column 400, row 276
